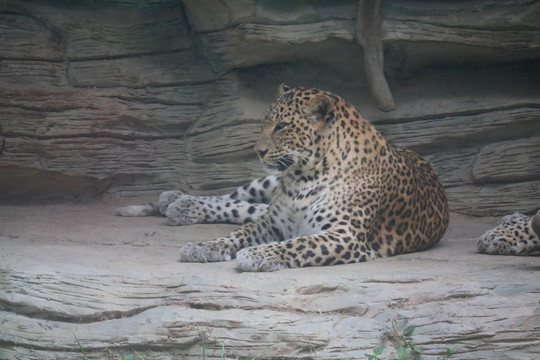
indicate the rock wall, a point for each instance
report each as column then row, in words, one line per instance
column 135, row 97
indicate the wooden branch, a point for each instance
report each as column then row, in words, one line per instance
column 368, row 35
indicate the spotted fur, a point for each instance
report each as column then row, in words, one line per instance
column 245, row 204
column 516, row 234
column 345, row 194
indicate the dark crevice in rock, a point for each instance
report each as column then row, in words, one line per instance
column 129, row 56
column 41, row 314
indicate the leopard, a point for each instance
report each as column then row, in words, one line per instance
column 516, row 234
column 338, row 193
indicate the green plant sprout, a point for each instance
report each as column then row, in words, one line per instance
column 83, row 352
column 129, row 356
column 405, row 348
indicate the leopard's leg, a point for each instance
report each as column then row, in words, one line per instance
column 329, row 248
column 260, row 246
column 212, row 209
column 224, row 249
column 257, row 191
column 245, row 204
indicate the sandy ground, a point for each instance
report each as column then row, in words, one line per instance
column 69, row 235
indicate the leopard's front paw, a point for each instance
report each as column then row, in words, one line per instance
column 210, row 251
column 254, row 259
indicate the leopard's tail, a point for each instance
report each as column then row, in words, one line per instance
column 149, row 209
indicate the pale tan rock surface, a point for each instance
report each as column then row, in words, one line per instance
column 72, row 272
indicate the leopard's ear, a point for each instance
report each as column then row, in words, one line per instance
column 283, row 88
column 321, row 106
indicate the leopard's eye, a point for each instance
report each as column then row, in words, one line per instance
column 280, row 126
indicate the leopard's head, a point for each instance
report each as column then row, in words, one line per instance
column 295, row 127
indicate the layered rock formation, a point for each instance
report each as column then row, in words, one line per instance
column 136, row 97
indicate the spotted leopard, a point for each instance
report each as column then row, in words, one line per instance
column 516, row 234
column 344, row 194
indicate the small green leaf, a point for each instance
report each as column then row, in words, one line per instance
column 124, row 357
column 418, row 350
column 409, row 330
column 378, row 351
column 402, row 350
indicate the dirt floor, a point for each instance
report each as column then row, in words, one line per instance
column 116, row 284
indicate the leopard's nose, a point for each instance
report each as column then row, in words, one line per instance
column 262, row 153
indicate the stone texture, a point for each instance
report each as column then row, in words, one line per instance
column 73, row 273
column 510, row 161
column 136, row 97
